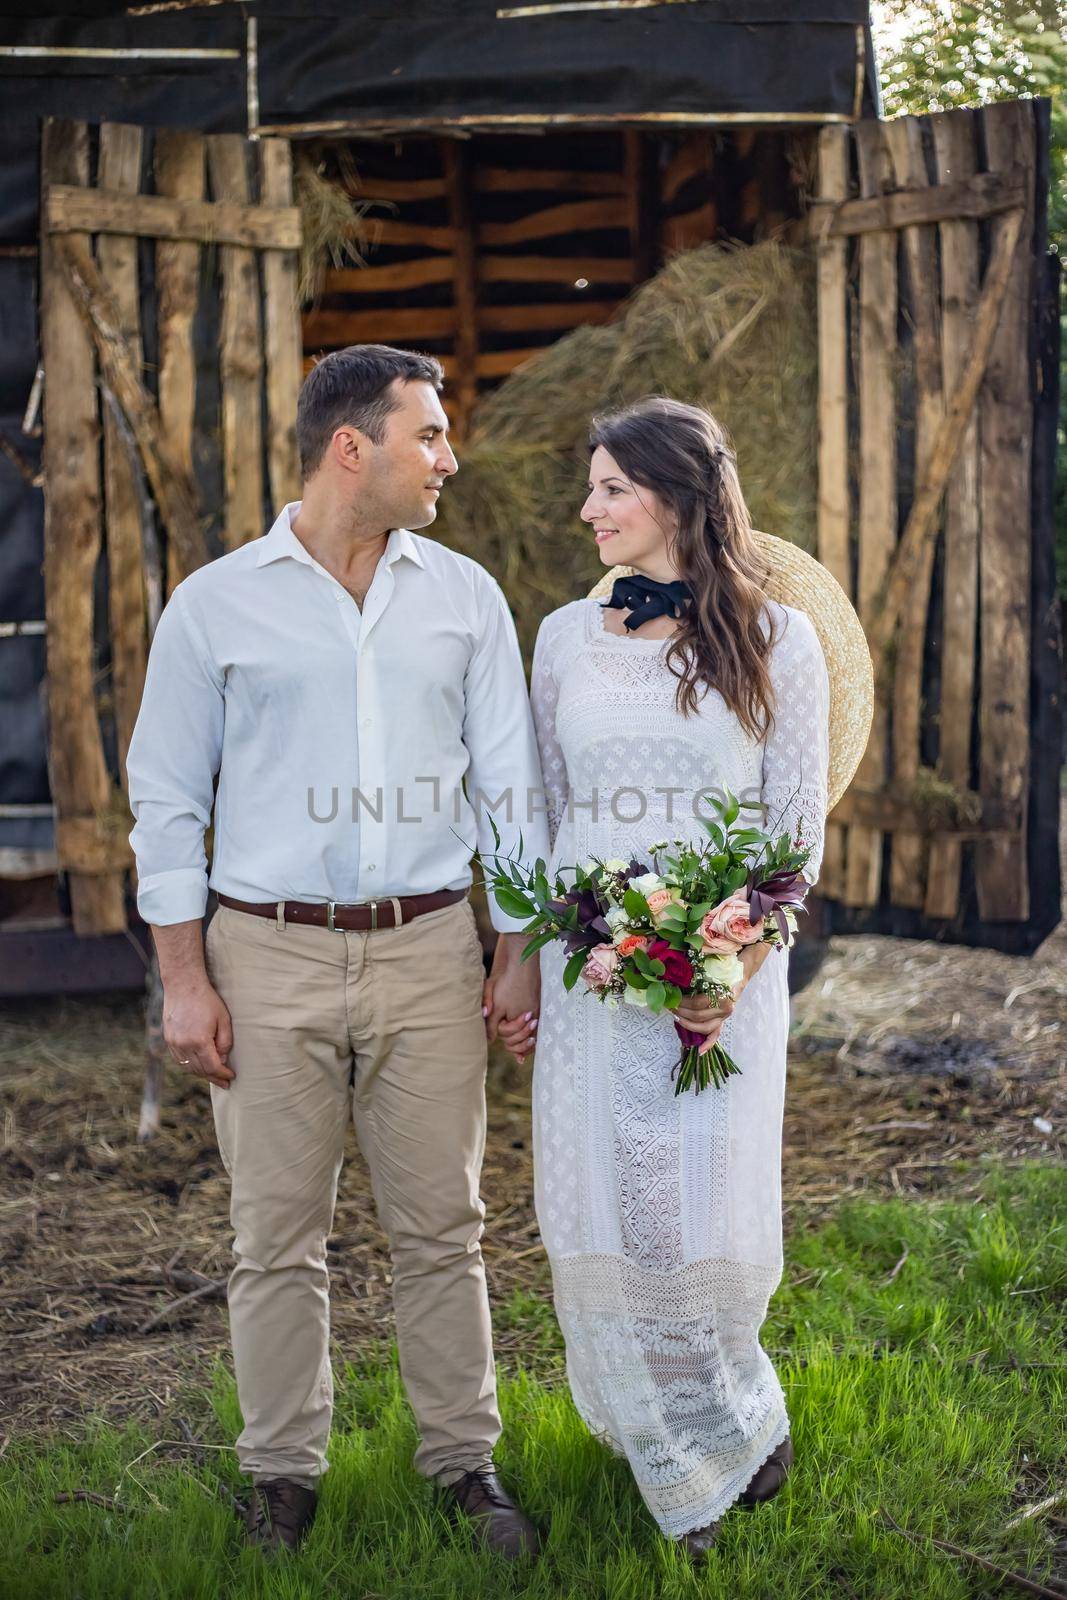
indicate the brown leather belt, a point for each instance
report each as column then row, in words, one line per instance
column 372, row 914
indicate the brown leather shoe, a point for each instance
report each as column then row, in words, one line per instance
column 279, row 1514
column 498, row 1523
column 699, row 1544
column 770, row 1477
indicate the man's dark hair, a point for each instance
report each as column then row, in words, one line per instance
column 353, row 386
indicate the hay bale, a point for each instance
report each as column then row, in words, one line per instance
column 726, row 326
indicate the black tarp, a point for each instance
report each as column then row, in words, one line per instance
column 439, row 61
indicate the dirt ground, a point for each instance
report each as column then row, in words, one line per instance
column 907, row 1060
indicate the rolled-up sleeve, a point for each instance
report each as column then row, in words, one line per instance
column 499, row 736
column 173, row 759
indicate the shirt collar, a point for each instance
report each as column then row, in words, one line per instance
column 282, row 541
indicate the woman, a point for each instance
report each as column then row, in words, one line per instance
column 662, row 1216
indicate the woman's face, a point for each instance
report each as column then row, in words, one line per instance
column 630, row 525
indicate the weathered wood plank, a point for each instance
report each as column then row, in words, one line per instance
column 908, row 850
column 878, row 480
column 520, row 180
column 833, row 502
column 955, row 152
column 388, row 280
column 574, row 217
column 1006, row 435
column 282, row 334
column 465, row 288
column 240, row 354
column 178, row 158
column 172, row 490
column 148, row 216
column 690, row 229
column 921, row 527
column 333, row 328
column 80, row 782
column 642, row 202
column 984, row 194
column 556, row 269
column 121, row 147
column 693, row 158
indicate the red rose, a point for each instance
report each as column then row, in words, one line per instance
column 677, row 968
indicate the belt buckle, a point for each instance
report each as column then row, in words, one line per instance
column 331, row 907
column 373, row 914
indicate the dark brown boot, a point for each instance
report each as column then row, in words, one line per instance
column 279, row 1514
column 770, row 1477
column 699, row 1544
column 498, row 1523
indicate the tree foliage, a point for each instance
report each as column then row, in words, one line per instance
column 934, row 56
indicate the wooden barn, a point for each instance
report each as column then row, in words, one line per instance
column 169, row 224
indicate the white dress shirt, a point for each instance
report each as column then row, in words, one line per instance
column 358, row 756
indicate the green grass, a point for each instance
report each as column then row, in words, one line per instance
column 938, row 1395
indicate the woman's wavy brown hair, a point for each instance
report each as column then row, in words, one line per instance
column 685, row 457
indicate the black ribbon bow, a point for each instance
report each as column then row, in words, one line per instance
column 646, row 598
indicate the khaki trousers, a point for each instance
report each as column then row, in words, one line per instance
column 392, row 1019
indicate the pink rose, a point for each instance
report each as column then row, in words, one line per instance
column 727, row 926
column 659, row 900
column 602, row 961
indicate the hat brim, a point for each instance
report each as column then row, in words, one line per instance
column 795, row 578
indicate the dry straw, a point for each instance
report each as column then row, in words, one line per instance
column 724, row 326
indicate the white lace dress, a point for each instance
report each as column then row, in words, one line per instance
column 662, row 1217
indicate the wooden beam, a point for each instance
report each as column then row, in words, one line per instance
column 556, row 269
column 148, row 216
column 240, row 353
column 391, row 189
column 692, row 159
column 455, row 158
column 833, row 501
column 955, row 134
column 689, row 230
column 878, row 480
column 555, row 180
column 120, row 168
column 282, row 334
column 179, row 175
column 333, row 328
column 907, row 851
column 576, row 217
column 546, row 318
column 985, row 194
column 383, row 230
column 79, row 777
column 391, row 279
column 894, row 809
column 1005, row 428
column 642, row 202
column 173, row 492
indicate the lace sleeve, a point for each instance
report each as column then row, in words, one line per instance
column 544, row 694
column 796, row 751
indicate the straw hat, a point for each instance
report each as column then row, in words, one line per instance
column 796, row 579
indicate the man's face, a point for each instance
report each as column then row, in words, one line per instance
column 405, row 473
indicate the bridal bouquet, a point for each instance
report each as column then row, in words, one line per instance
column 648, row 933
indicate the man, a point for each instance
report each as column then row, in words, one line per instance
column 345, row 680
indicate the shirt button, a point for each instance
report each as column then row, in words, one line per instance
column 366, row 722
column 371, row 867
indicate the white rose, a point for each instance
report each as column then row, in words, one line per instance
column 616, row 864
column 635, row 997
column 724, row 969
column 648, row 884
column 616, row 917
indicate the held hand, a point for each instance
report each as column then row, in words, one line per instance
column 701, row 1015
column 512, row 997
column 198, row 1032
